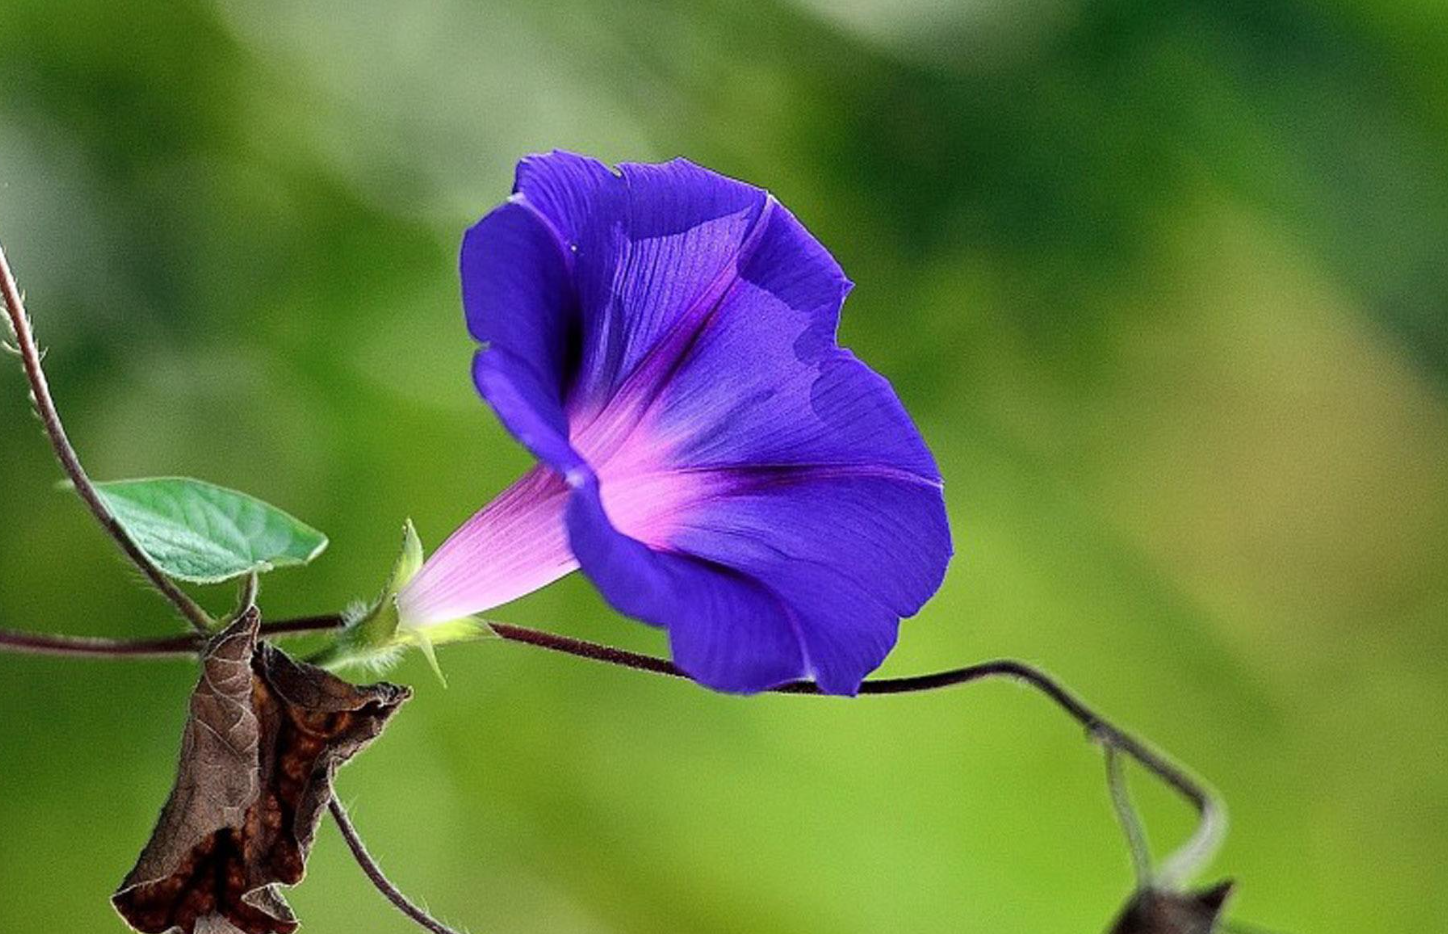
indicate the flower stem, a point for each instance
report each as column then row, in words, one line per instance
column 375, row 875
column 63, row 646
column 30, row 359
column 1127, row 816
column 250, row 587
column 1192, row 855
column 1176, row 869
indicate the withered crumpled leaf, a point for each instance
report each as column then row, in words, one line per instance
column 1156, row 912
column 258, row 753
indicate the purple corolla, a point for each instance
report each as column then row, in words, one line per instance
column 662, row 338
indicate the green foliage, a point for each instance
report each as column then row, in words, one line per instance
column 203, row 533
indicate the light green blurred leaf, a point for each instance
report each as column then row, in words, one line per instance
column 206, row 534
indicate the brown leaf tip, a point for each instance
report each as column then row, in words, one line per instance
column 1155, row 912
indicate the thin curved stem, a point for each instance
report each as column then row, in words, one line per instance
column 250, row 587
column 30, row 360
column 1176, row 869
column 1242, row 927
column 1126, row 815
column 377, row 877
column 1211, row 825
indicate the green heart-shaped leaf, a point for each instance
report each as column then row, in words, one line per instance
column 203, row 533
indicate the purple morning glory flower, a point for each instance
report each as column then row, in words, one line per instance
column 662, row 338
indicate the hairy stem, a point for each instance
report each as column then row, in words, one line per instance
column 43, row 643
column 250, row 586
column 30, row 359
column 379, row 879
column 63, row 646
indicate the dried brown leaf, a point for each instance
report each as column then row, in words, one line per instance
column 264, row 737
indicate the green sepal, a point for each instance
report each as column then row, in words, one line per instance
column 374, row 635
column 424, row 643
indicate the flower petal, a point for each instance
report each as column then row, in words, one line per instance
column 563, row 187
column 519, row 300
column 647, row 248
column 818, row 485
column 509, row 548
column 664, row 338
column 669, row 239
column 725, row 630
column 528, row 406
column 765, row 383
column 517, row 291
column 850, row 550
column 585, row 275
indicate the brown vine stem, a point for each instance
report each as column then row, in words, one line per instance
column 63, row 646
column 30, row 360
column 1173, row 872
column 44, row 643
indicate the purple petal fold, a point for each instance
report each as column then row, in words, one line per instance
column 849, row 549
column 528, row 406
column 725, row 630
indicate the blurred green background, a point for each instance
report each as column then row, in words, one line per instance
column 1164, row 285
